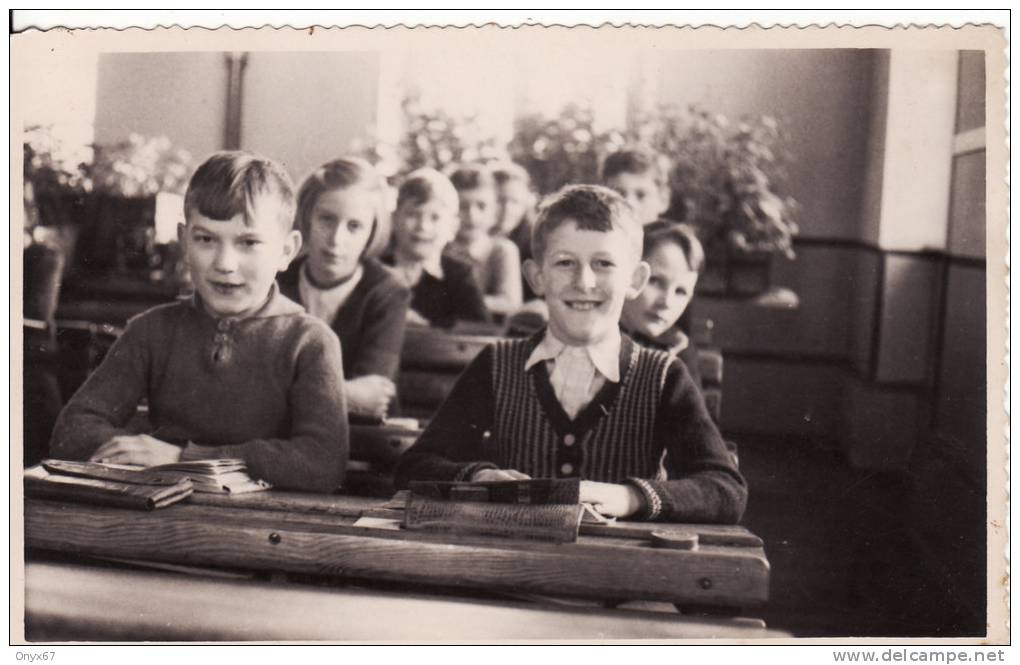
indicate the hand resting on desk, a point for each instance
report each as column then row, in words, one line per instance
column 611, row 499
column 140, row 449
column 369, row 395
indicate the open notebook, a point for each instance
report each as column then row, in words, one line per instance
column 218, row 476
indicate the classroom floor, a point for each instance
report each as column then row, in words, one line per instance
column 847, row 557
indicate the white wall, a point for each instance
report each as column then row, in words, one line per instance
column 178, row 95
column 304, row 109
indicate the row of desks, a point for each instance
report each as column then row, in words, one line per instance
column 337, row 541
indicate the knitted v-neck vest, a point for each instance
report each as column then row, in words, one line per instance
column 610, row 440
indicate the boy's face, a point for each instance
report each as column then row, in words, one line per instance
column 512, row 202
column 669, row 291
column 233, row 265
column 422, row 230
column 648, row 199
column 585, row 277
column 339, row 226
column 477, row 212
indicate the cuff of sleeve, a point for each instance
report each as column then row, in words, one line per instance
column 653, row 502
column 465, row 473
column 194, row 451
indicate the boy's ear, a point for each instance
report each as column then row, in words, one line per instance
column 291, row 246
column 533, row 273
column 639, row 279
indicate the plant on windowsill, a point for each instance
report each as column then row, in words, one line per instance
column 727, row 181
column 431, row 138
column 97, row 202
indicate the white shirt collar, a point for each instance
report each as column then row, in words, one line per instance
column 605, row 355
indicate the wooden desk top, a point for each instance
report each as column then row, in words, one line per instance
column 317, row 535
column 61, row 602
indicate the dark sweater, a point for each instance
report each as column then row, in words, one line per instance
column 266, row 389
column 688, row 355
column 701, row 483
column 456, row 297
column 370, row 323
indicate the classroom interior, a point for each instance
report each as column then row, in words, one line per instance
column 854, row 385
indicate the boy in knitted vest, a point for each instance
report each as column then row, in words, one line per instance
column 238, row 370
column 580, row 399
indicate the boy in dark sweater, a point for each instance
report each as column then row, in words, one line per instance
column 443, row 288
column 236, row 371
column 579, row 399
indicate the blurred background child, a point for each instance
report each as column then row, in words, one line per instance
column 640, row 176
column 339, row 279
column 495, row 259
column 675, row 257
column 443, row 287
column 515, row 210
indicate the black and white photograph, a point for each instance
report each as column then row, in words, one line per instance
column 487, row 335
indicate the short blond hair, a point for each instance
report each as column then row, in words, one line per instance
column 425, row 185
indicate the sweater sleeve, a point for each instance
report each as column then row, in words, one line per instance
column 468, row 302
column 314, row 457
column 106, row 402
column 504, row 294
column 382, row 333
column 702, row 484
column 452, row 445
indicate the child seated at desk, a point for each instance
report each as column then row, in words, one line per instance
column 641, row 177
column 495, row 259
column 580, row 399
column 238, row 370
column 443, row 288
column 675, row 258
column 515, row 211
column 341, row 219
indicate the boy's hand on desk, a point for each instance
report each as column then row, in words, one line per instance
column 490, row 475
column 369, row 395
column 140, row 449
column 611, row 499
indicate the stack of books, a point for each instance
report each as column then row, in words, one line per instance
column 145, row 488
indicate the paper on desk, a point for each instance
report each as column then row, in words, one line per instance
column 378, row 523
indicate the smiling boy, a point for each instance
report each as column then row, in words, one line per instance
column 238, row 370
column 580, row 399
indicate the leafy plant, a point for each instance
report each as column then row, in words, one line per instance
column 726, row 178
column 133, row 168
column 562, row 150
column 432, row 138
column 139, row 167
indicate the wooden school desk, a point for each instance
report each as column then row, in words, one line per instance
column 464, row 587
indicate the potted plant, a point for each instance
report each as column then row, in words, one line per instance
column 562, row 150
column 726, row 181
column 99, row 200
column 431, row 138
